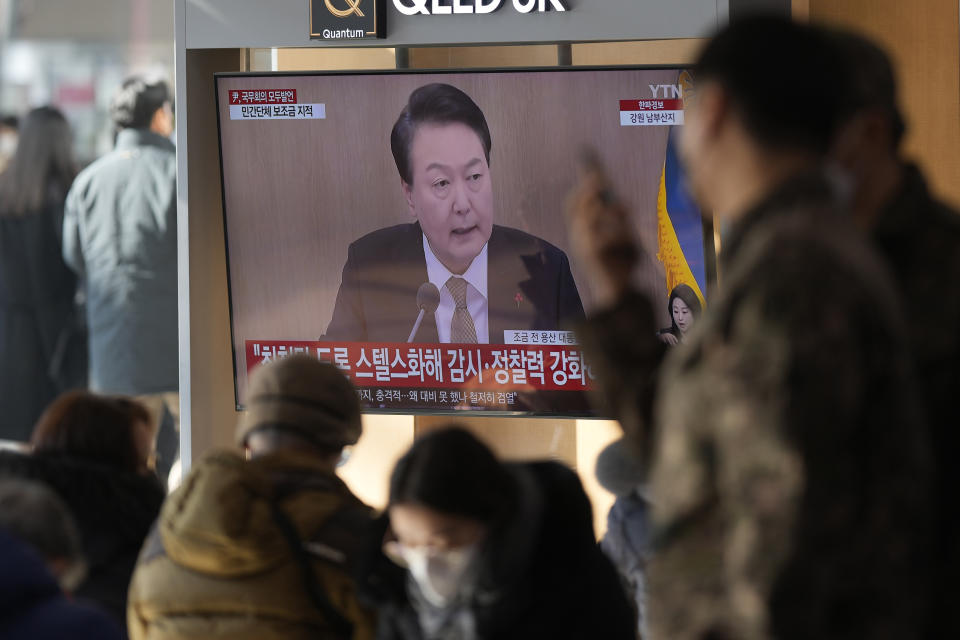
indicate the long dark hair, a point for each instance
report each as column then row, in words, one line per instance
column 42, row 167
column 452, row 472
column 689, row 296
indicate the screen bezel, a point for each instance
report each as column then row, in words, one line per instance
column 707, row 222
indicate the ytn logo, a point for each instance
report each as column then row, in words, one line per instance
column 447, row 7
column 666, row 90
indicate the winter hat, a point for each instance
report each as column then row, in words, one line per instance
column 618, row 469
column 304, row 395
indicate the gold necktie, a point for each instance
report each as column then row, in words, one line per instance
column 462, row 329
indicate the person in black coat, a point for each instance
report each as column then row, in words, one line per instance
column 474, row 548
column 94, row 452
column 491, row 279
column 918, row 235
column 32, row 606
column 40, row 355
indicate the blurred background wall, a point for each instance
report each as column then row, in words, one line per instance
column 74, row 53
column 923, row 39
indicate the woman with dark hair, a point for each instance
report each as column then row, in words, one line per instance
column 475, row 548
column 114, row 432
column 37, row 290
column 684, row 309
column 95, row 452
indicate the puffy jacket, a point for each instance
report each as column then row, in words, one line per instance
column 218, row 565
column 627, row 544
column 120, row 236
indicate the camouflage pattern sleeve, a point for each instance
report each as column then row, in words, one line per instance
column 789, row 475
column 622, row 349
column 725, row 483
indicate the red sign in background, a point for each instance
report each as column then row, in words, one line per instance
column 263, row 96
column 652, row 104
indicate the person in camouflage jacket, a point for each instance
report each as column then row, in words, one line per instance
column 788, row 460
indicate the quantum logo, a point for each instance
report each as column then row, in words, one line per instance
column 346, row 20
column 353, row 8
column 447, row 7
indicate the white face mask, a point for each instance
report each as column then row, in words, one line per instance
column 439, row 574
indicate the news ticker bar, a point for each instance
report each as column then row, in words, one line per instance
column 448, row 367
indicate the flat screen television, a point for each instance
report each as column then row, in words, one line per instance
column 409, row 226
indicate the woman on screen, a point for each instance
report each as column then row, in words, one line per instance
column 684, row 309
column 474, row 548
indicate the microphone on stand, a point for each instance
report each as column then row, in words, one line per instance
column 428, row 299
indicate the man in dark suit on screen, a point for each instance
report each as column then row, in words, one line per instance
column 490, row 278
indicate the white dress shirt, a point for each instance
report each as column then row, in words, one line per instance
column 476, row 277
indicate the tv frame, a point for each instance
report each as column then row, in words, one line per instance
column 706, row 217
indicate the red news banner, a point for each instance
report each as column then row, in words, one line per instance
column 651, row 112
column 263, row 96
column 490, row 367
column 272, row 104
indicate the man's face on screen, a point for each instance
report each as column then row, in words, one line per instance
column 451, row 194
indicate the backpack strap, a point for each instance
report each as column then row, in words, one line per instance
column 336, row 620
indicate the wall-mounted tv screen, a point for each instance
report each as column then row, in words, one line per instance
column 409, row 226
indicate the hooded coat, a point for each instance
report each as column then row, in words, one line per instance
column 218, row 564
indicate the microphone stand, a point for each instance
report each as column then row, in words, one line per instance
column 428, row 297
column 416, row 325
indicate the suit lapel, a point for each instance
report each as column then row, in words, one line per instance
column 510, row 290
column 399, row 271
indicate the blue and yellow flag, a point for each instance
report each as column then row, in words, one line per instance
column 679, row 227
